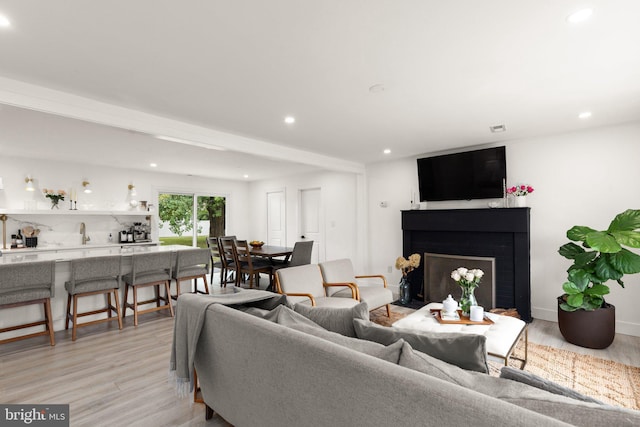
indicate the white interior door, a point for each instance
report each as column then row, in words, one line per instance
column 276, row 219
column 311, row 221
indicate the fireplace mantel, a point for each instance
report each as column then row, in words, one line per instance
column 499, row 233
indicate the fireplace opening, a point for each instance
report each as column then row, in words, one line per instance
column 438, row 282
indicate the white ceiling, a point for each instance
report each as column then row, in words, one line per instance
column 450, row 69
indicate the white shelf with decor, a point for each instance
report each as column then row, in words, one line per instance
column 73, row 212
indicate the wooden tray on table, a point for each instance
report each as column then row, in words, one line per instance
column 464, row 320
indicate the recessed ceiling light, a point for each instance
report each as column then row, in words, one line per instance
column 4, row 21
column 245, row 176
column 387, row 151
column 289, row 120
column 153, row 165
column 498, row 128
column 377, row 88
column 584, row 115
column 580, row 16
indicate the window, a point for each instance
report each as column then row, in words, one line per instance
column 179, row 212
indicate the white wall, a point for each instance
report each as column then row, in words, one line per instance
column 580, row 178
column 339, row 213
column 109, row 193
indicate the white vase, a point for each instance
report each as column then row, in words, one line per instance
column 521, row 201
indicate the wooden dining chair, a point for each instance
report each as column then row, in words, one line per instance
column 249, row 265
column 216, row 258
column 301, row 255
column 227, row 257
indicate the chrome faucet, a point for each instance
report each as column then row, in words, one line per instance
column 83, row 231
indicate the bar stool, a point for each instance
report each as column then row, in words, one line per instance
column 25, row 284
column 93, row 276
column 152, row 269
column 191, row 264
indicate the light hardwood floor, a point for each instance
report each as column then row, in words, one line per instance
column 120, row 378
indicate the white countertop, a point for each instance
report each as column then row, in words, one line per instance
column 67, row 254
column 55, row 248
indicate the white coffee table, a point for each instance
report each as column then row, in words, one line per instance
column 502, row 335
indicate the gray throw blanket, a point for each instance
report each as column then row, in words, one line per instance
column 190, row 314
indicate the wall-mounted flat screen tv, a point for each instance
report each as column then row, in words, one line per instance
column 478, row 174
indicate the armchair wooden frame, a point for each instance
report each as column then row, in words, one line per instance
column 352, row 286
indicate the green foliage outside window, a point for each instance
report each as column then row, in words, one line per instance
column 177, row 211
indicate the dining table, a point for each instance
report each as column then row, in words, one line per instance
column 271, row 251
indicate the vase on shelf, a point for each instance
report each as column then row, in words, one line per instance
column 521, row 201
column 405, row 291
column 54, row 203
column 467, row 299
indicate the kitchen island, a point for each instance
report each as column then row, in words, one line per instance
column 62, row 257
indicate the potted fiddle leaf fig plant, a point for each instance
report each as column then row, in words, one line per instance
column 584, row 317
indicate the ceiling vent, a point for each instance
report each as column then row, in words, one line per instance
column 498, row 128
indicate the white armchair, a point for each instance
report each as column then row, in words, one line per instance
column 304, row 285
column 340, row 279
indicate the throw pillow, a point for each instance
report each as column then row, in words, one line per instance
column 338, row 320
column 543, row 384
column 467, row 351
column 283, row 315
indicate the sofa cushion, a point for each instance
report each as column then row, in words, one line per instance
column 287, row 317
column 390, row 353
column 467, row 351
column 338, row 320
column 535, row 381
column 572, row 411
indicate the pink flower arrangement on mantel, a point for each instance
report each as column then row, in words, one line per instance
column 520, row 190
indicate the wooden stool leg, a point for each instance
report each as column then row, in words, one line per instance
column 388, row 311
column 168, row 291
column 115, row 296
column 135, row 306
column 74, row 330
column 47, row 314
column 177, row 289
column 66, row 323
column 124, row 304
column 109, row 304
column 156, row 293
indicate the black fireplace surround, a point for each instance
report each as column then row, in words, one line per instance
column 500, row 233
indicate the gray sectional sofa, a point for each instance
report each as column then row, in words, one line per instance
column 261, row 363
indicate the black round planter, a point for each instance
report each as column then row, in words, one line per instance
column 591, row 329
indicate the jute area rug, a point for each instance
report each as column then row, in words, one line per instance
column 610, row 382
